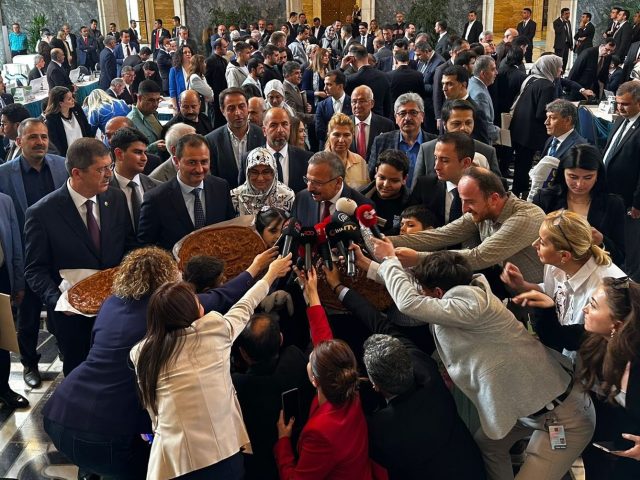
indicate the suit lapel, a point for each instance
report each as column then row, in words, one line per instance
column 177, row 201
column 210, row 203
column 228, row 157
column 630, row 132
column 18, row 184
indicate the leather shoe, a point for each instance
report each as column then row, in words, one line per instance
column 32, row 377
column 13, row 399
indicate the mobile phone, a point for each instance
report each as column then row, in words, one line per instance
column 291, row 404
column 616, row 446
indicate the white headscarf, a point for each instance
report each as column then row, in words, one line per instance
column 275, row 85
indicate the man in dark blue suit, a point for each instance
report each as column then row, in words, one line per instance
column 428, row 61
column 108, row 64
column 192, row 200
column 368, row 125
column 325, row 185
column 336, row 101
column 87, row 48
column 365, row 74
column 562, row 117
column 31, row 176
column 57, row 76
column 82, row 225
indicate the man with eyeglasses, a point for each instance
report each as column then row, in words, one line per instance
column 325, row 185
column 84, row 224
column 409, row 114
column 33, row 175
column 389, row 189
column 368, row 124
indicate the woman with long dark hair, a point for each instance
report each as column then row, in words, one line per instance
column 184, row 377
column 179, row 75
column 65, row 119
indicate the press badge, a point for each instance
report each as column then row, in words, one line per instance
column 557, row 437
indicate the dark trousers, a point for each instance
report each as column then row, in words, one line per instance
column 73, row 333
column 231, row 468
column 564, row 54
column 121, row 457
column 522, row 165
column 5, row 359
column 29, row 327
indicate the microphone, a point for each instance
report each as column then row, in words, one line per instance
column 308, row 239
column 346, row 205
column 368, row 218
column 322, row 244
column 343, row 234
column 290, row 232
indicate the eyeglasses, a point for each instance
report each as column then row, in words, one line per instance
column 263, row 173
column 105, row 169
column 317, row 183
column 556, row 223
column 404, row 113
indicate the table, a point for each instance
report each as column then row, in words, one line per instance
column 165, row 110
column 84, row 89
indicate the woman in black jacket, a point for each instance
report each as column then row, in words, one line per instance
column 580, row 185
column 65, row 119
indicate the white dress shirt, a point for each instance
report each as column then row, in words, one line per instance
column 338, row 104
column 448, row 200
column 284, row 161
column 189, row 199
column 367, row 129
column 79, row 201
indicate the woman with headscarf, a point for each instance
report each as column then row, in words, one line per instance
column 261, row 187
column 331, row 42
column 274, row 94
column 529, row 113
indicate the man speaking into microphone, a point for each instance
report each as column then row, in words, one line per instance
column 325, row 185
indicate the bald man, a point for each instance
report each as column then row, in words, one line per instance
column 368, row 124
column 256, row 110
column 190, row 106
column 505, row 45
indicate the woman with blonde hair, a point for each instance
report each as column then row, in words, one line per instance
column 101, row 107
column 340, row 132
column 374, row 28
column 313, row 77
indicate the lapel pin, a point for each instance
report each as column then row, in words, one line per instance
column 106, row 204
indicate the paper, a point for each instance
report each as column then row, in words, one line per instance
column 8, row 335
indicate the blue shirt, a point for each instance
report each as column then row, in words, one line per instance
column 17, row 41
column 411, row 152
column 37, row 184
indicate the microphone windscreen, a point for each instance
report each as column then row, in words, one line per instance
column 346, row 205
column 291, row 227
column 321, row 234
column 367, row 216
column 308, row 235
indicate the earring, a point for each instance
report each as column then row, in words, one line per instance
column 613, row 331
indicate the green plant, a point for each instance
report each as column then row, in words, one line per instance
column 425, row 14
column 33, row 36
column 242, row 11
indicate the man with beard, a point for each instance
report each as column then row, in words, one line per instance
column 190, row 114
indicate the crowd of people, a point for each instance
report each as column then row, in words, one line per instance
column 510, row 266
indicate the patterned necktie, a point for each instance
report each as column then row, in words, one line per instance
column 455, row 212
column 135, row 203
column 362, row 140
column 198, row 211
column 554, row 147
column 92, row 225
column 278, row 157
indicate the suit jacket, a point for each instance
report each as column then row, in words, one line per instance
column 588, row 31
column 164, row 172
column 426, row 155
column 56, row 238
column 11, row 182
column 630, row 61
column 57, row 133
column 368, row 41
column 378, row 82
column 405, row 79
column 36, row 73
column 64, row 46
column 307, row 210
column 438, row 94
column 164, row 218
column 622, row 166
column 474, row 33
column 57, row 76
column 223, row 162
column 134, row 39
column 108, row 68
column 585, row 69
column 479, row 92
column 165, row 63
column 431, row 192
column 386, row 141
column 297, row 100
column 574, row 138
column 623, row 39
column 527, row 126
column 215, row 68
column 562, row 38
column 128, row 97
column 11, row 243
column 298, row 163
column 324, row 112
column 379, row 124
column 430, row 70
column 146, row 183
column 87, row 53
column 442, row 46
column 154, row 36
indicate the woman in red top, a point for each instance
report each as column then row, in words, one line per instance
column 333, row 444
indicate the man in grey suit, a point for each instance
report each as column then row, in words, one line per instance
column 295, row 98
column 128, row 150
column 168, row 169
column 230, row 142
column 29, row 177
column 490, row 355
column 457, row 116
column 484, row 74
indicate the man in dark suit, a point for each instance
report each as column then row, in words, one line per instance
column 473, row 28
column 128, row 149
column 584, row 34
column 164, row 63
column 563, row 41
column 527, row 28
column 134, row 37
column 623, row 169
column 128, row 75
column 325, row 185
column 57, row 76
column 84, row 224
column 562, row 117
column 428, row 62
column 635, row 32
column 87, row 48
column 292, row 161
column 33, row 175
column 442, row 45
column 459, row 45
column 633, row 56
column 365, row 74
column 38, row 70
column 215, row 68
column 192, row 200
column 368, row 125
column 317, row 30
column 364, row 38
column 108, row 63
column 622, row 36
column 225, row 158
column 190, row 114
column 336, row 101
column 184, row 40
column 156, row 36
column 409, row 114
column 124, row 49
column 404, row 79
column 592, row 66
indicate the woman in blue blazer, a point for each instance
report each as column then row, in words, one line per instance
column 178, row 75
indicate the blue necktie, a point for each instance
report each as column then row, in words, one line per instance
column 553, row 147
column 198, row 211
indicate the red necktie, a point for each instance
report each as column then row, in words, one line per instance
column 325, row 211
column 157, row 39
column 362, row 140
